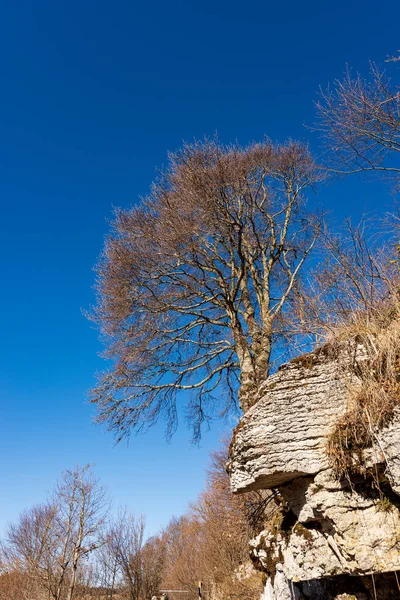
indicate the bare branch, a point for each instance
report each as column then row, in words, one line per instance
column 360, row 123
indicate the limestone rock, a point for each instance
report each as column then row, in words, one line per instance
column 339, row 530
column 280, row 588
column 386, row 451
column 342, row 541
column 283, row 435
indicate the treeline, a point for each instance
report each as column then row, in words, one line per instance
column 71, row 548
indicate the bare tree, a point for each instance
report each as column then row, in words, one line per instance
column 32, row 548
column 82, row 506
column 50, row 541
column 108, row 564
column 153, row 562
column 355, row 283
column 126, row 541
column 360, row 122
column 194, row 282
column 183, row 565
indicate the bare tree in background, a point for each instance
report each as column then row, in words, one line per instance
column 108, row 567
column 354, row 289
column 131, row 566
column 360, row 122
column 184, row 564
column 82, row 507
column 153, row 563
column 195, row 281
column 211, row 542
column 358, row 278
column 126, row 541
column 31, row 548
column 51, row 541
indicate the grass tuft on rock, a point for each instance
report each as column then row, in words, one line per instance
column 374, row 392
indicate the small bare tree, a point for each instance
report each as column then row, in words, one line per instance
column 195, row 281
column 50, row 541
column 108, row 565
column 82, row 507
column 31, row 548
column 355, row 285
column 153, row 562
column 126, row 541
column 360, row 122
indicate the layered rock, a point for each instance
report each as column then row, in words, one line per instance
column 334, row 535
column 284, row 434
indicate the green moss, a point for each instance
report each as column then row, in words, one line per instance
column 384, row 505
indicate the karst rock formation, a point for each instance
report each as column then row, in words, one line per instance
column 337, row 538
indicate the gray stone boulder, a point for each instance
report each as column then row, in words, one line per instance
column 284, row 434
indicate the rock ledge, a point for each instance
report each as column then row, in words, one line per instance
column 340, row 534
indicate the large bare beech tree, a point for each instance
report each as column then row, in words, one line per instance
column 195, row 280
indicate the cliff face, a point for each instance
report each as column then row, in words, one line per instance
column 335, row 539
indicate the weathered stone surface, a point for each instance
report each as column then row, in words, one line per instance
column 342, row 541
column 340, row 530
column 283, row 435
column 386, row 451
column 280, row 588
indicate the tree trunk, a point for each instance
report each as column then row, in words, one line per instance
column 262, row 355
column 254, row 369
column 247, row 391
column 72, row 582
column 248, row 386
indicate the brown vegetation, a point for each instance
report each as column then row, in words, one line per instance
column 69, row 549
column 210, row 543
column 373, row 397
column 15, row 585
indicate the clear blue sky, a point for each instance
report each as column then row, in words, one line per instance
column 93, row 96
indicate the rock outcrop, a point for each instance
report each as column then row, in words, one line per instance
column 336, row 539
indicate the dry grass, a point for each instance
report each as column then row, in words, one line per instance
column 377, row 391
column 246, row 588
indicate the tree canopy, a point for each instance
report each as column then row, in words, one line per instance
column 195, row 281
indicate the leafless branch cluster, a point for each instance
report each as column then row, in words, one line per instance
column 356, row 279
column 51, row 541
column 69, row 548
column 360, row 123
column 130, row 565
column 195, row 281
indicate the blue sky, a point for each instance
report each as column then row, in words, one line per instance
column 93, row 96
